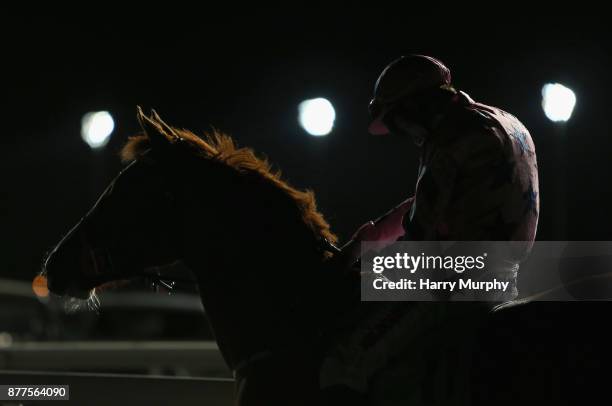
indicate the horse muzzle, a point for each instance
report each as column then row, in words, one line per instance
column 70, row 269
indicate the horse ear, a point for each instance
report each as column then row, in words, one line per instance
column 159, row 133
column 169, row 131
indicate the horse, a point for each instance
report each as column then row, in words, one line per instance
column 277, row 295
column 258, row 247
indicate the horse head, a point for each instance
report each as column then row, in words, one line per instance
column 131, row 227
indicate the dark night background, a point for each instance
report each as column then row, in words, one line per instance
column 246, row 76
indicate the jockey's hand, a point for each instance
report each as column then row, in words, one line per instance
column 383, row 231
column 351, row 251
column 367, row 232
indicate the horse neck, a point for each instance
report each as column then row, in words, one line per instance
column 249, row 290
column 253, row 259
column 237, row 216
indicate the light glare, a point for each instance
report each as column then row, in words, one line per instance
column 558, row 102
column 317, row 116
column 96, row 128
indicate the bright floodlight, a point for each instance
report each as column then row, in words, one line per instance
column 317, row 116
column 558, row 102
column 96, row 128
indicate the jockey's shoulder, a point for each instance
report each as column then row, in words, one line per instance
column 470, row 128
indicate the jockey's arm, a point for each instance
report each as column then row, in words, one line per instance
column 384, row 230
column 457, row 197
column 453, row 198
column 435, row 185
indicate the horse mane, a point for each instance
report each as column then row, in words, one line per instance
column 221, row 148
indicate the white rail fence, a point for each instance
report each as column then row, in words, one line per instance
column 57, row 363
column 118, row 389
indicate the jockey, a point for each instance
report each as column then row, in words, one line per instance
column 477, row 181
column 478, row 176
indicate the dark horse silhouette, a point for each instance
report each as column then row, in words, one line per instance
column 258, row 250
column 255, row 245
